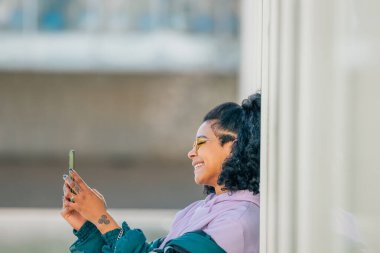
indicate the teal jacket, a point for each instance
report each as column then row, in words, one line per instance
column 90, row 240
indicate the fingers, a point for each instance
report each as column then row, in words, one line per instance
column 70, row 190
column 68, row 200
column 70, row 197
column 75, row 176
column 73, row 187
column 67, row 193
column 66, row 205
column 69, row 205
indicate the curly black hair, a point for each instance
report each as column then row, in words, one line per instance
column 241, row 170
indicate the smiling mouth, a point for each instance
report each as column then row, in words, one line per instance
column 198, row 165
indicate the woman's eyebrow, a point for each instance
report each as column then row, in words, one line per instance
column 202, row 136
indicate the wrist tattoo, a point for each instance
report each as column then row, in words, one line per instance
column 104, row 220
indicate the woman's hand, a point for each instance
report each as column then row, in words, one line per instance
column 70, row 215
column 89, row 203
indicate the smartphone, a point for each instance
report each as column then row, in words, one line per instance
column 72, row 159
column 72, row 165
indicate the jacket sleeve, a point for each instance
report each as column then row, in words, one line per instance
column 90, row 240
column 193, row 242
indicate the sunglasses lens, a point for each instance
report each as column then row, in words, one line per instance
column 198, row 142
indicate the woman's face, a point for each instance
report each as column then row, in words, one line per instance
column 208, row 155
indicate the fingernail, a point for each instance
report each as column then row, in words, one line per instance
column 71, row 170
column 64, row 176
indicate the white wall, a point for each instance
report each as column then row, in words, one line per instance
column 319, row 75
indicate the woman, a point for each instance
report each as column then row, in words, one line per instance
column 226, row 160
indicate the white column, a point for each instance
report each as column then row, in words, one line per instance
column 320, row 126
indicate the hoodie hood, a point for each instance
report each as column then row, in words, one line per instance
column 197, row 216
column 237, row 196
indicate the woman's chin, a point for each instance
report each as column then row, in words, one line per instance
column 198, row 179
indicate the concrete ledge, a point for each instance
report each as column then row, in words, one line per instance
column 41, row 230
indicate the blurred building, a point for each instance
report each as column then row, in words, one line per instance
column 98, row 35
column 125, row 83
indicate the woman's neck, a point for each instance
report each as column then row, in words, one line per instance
column 219, row 189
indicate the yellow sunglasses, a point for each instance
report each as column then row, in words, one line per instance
column 199, row 141
column 202, row 140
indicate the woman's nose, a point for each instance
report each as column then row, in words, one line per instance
column 191, row 153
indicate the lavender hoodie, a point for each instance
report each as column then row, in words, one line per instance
column 231, row 219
